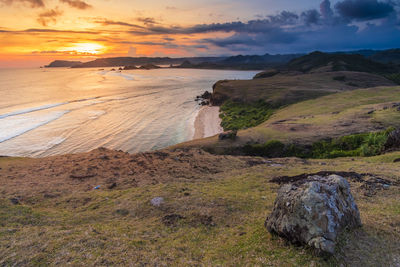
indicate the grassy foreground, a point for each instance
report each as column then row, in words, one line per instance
column 211, row 217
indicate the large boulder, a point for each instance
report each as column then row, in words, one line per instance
column 314, row 211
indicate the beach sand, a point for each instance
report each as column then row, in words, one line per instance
column 207, row 123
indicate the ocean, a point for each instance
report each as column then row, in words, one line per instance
column 56, row 111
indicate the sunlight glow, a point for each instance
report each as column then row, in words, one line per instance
column 86, row 48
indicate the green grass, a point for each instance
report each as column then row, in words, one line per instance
column 363, row 145
column 236, row 116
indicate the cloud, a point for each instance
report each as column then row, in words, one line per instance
column 147, row 21
column 326, row 10
column 252, row 26
column 311, row 16
column 106, row 22
column 35, row 30
column 77, row 4
column 49, row 16
column 364, row 9
column 32, row 3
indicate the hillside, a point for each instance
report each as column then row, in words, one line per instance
column 284, row 89
column 387, row 56
column 63, row 63
column 95, row 209
column 321, row 62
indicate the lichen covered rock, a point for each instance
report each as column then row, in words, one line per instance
column 314, row 211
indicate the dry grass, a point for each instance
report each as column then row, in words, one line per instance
column 214, row 217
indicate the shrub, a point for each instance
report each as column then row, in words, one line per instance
column 365, row 145
column 236, row 116
column 272, row 148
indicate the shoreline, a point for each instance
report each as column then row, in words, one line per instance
column 207, row 122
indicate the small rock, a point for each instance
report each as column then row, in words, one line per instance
column 386, row 186
column 276, row 165
column 157, row 201
column 171, row 219
column 111, row 186
column 104, row 157
column 227, row 135
column 15, row 200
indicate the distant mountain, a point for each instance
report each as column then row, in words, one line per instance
column 364, row 52
column 266, row 59
column 63, row 63
column 387, row 56
column 359, row 60
column 139, row 61
column 255, row 62
column 321, row 62
column 240, row 62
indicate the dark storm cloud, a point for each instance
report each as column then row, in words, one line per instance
column 311, row 16
column 76, row 4
column 364, row 9
column 252, row 26
column 32, row 3
column 326, row 28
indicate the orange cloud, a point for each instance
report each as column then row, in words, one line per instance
column 49, row 16
column 77, row 4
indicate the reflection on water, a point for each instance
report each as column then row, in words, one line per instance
column 57, row 111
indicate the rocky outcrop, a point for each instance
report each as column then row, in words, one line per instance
column 149, row 67
column 393, row 140
column 314, row 211
column 131, row 67
column 228, row 135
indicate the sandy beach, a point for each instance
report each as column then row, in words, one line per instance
column 207, row 123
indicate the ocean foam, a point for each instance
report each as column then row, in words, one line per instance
column 29, row 110
column 18, row 125
column 125, row 76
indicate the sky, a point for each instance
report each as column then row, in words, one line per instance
column 35, row 32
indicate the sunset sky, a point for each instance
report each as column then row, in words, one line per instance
column 35, row 32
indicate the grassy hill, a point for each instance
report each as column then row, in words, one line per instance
column 285, row 89
column 318, row 61
column 213, row 212
column 306, row 122
column 387, row 56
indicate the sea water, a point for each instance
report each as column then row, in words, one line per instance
column 60, row 110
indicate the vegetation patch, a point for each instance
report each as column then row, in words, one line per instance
column 395, row 77
column 364, row 145
column 236, row 116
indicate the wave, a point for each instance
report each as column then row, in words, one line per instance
column 47, row 106
column 11, row 128
column 29, row 110
column 125, row 76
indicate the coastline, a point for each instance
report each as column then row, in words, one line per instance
column 207, row 122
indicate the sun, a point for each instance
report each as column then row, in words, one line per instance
column 86, row 48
